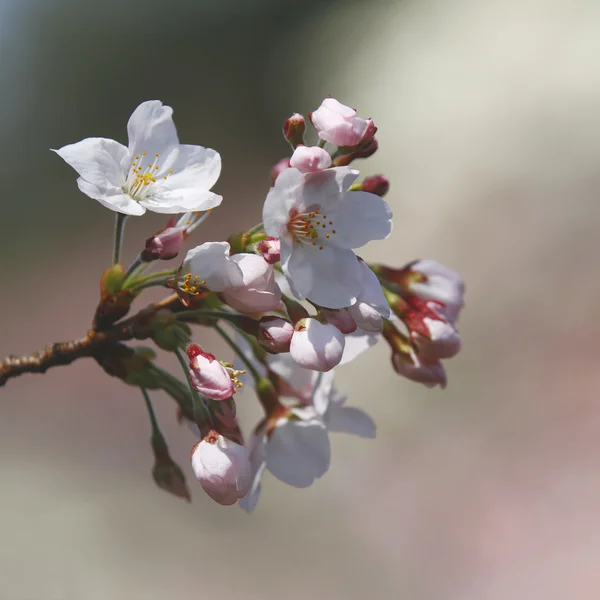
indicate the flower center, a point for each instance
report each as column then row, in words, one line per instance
column 140, row 179
column 192, row 284
column 310, row 227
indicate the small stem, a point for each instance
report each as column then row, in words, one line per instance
column 255, row 374
column 133, row 267
column 255, row 229
column 321, row 143
column 151, row 276
column 157, row 438
column 149, row 284
column 119, row 229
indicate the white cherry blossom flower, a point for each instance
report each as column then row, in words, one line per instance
column 315, row 345
column 319, row 223
column 154, row 172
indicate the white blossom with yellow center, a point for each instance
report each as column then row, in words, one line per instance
column 319, row 222
column 154, row 172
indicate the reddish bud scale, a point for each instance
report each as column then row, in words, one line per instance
column 377, row 184
column 194, row 350
column 294, row 128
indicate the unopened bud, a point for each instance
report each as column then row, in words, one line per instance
column 369, row 135
column 208, row 375
column 341, row 318
column 168, row 333
column 366, row 152
column 275, row 334
column 278, row 168
column 317, row 346
column 112, row 280
column 168, row 475
column 270, row 250
column 164, row 245
column 294, row 128
column 377, row 184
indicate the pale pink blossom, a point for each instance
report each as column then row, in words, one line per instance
column 371, row 306
column 275, row 334
column 308, row 159
column 319, row 223
column 270, row 250
column 279, row 167
column 258, row 291
column 222, row 467
column 338, row 124
column 432, row 281
column 440, row 339
column 209, row 267
column 419, row 369
column 315, row 345
column 208, row 375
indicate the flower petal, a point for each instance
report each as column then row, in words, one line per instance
column 98, row 160
column 298, row 452
column 181, row 200
column 348, row 419
column 151, row 130
column 357, row 343
column 193, row 167
column 280, row 199
column 111, row 197
column 329, row 277
column 359, row 218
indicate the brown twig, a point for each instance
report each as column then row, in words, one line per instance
column 92, row 345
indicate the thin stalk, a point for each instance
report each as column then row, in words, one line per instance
column 119, row 229
column 251, row 368
column 148, row 284
column 321, row 143
column 151, row 276
column 255, row 229
column 133, row 267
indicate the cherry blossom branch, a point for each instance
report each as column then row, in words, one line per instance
column 92, row 345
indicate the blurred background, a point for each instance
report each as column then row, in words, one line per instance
column 489, row 128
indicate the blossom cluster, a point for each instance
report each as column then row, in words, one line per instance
column 290, row 296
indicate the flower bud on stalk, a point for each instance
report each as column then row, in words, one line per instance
column 270, row 250
column 377, row 184
column 209, row 376
column 166, row 472
column 317, row 346
column 294, row 128
column 222, row 467
column 310, row 159
column 360, row 152
column 164, row 245
column 341, row 318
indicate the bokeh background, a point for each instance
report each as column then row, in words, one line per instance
column 489, row 127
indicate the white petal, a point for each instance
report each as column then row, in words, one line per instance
column 336, row 106
column 112, row 198
column 193, row 167
column 335, row 275
column 326, row 188
column 348, row 419
column 371, row 293
column 250, row 500
column 280, row 199
column 151, row 130
column 298, row 452
column 357, row 343
column 175, row 201
column 360, row 218
column 98, row 160
column 210, row 261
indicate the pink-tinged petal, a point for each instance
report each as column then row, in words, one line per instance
column 325, row 189
column 341, row 318
column 366, row 317
column 360, row 218
column 371, row 292
column 298, row 452
column 112, row 198
column 338, row 124
column 308, row 159
column 429, row 373
column 337, row 107
column 275, row 334
column 270, row 250
column 316, row 345
column 258, row 292
column 348, row 419
column 99, row 161
column 443, row 340
column 208, row 376
column 223, row 468
column 151, row 130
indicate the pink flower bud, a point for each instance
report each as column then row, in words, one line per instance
column 294, row 128
column 338, row 124
column 377, row 184
column 441, row 340
column 308, row 159
column 222, row 467
column 341, row 318
column 275, row 334
column 278, row 168
column 270, row 250
column 164, row 245
column 316, row 345
column 259, row 292
column 208, row 375
column 369, row 135
column 415, row 368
